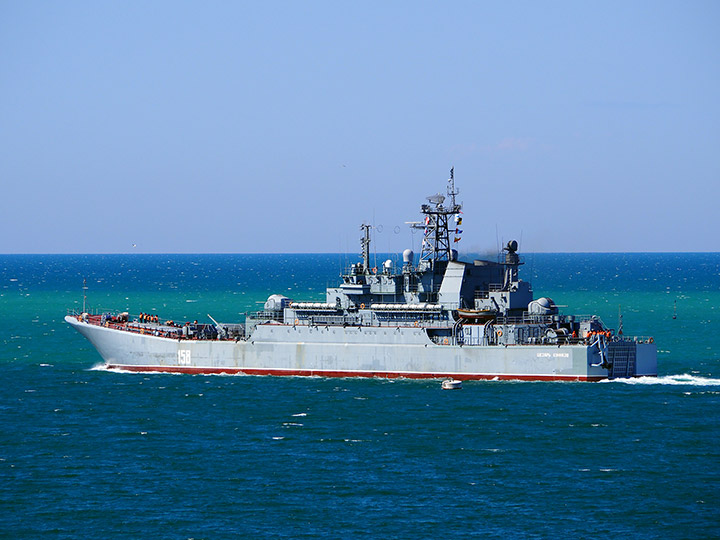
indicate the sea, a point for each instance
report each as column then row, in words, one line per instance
column 93, row 454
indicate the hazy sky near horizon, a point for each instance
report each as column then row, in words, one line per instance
column 203, row 127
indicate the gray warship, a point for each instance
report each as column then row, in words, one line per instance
column 438, row 317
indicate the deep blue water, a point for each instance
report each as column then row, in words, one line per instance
column 85, row 453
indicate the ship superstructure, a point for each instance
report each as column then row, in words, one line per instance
column 439, row 317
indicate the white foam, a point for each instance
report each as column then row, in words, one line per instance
column 104, row 367
column 684, row 379
column 221, row 374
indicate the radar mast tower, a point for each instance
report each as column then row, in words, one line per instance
column 436, row 244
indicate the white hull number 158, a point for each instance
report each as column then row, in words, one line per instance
column 183, row 358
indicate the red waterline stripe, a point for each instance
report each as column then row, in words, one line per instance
column 366, row 374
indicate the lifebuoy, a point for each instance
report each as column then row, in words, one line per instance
column 417, row 323
column 499, row 333
column 445, row 341
column 651, row 340
column 374, row 270
column 362, row 306
column 297, row 321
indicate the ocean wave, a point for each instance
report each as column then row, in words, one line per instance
column 678, row 380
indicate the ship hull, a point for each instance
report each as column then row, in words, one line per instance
column 327, row 351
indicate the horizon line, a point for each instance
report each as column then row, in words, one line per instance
column 132, row 253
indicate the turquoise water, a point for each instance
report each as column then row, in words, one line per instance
column 85, row 453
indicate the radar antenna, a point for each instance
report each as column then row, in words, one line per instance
column 451, row 188
column 365, row 243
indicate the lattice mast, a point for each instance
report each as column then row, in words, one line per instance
column 437, row 244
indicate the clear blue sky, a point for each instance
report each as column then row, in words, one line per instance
column 282, row 126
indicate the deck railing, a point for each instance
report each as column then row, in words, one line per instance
column 207, row 331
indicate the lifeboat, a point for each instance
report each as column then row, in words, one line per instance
column 477, row 314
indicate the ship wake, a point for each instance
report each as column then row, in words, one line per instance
column 684, row 379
